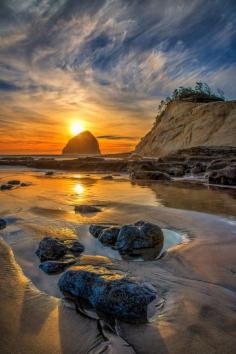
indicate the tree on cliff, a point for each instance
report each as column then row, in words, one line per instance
column 200, row 93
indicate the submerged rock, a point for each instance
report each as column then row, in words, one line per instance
column 49, row 173
column 51, row 249
column 108, row 178
column 96, row 230
column 52, row 267
column 14, row 182
column 23, row 184
column 5, row 187
column 3, row 224
column 86, row 209
column 109, row 293
column 109, row 236
column 225, row 176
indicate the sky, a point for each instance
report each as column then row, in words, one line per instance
column 105, row 64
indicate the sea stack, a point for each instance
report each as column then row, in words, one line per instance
column 83, row 143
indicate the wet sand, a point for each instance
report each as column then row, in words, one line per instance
column 196, row 280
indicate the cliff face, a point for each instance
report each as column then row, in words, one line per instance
column 186, row 124
column 83, row 143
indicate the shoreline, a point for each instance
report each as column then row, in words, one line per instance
column 179, row 280
column 196, row 280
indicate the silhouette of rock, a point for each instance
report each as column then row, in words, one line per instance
column 83, row 143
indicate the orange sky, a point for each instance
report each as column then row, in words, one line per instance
column 107, row 64
column 48, row 131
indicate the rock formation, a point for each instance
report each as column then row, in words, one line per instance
column 83, row 143
column 184, row 125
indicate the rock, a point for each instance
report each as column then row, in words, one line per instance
column 150, row 175
column 225, row 176
column 108, row 293
column 152, row 234
column 52, row 267
column 76, row 247
column 139, row 223
column 49, row 173
column 3, row 224
column 23, row 184
column 86, row 209
column 96, row 230
column 126, row 238
column 14, row 182
column 217, row 165
column 132, row 238
column 176, row 172
column 135, row 157
column 198, row 168
column 51, row 249
column 83, row 143
column 109, row 236
column 5, row 187
column 107, row 178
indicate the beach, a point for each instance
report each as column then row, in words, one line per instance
column 194, row 277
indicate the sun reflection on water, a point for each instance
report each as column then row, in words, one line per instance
column 79, row 188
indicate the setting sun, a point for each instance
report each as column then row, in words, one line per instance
column 76, row 128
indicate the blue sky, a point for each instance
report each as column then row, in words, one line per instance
column 107, row 63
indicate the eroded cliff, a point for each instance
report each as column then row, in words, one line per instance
column 187, row 124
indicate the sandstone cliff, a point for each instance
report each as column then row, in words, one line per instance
column 83, row 143
column 186, row 124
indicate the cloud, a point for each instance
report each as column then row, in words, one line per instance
column 111, row 61
column 8, row 86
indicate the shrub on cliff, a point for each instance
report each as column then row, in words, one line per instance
column 200, row 93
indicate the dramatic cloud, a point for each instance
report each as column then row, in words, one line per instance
column 105, row 62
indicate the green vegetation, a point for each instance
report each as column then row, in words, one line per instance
column 200, row 93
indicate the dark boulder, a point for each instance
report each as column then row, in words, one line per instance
column 126, row 238
column 86, row 209
column 83, row 143
column 150, row 175
column 51, row 249
column 96, row 230
column 133, row 238
column 108, row 293
column 52, row 267
column 225, row 176
column 3, row 224
column 109, row 235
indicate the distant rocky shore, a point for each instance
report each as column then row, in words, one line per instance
column 217, row 165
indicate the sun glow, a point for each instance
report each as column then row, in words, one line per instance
column 76, row 128
column 79, row 189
